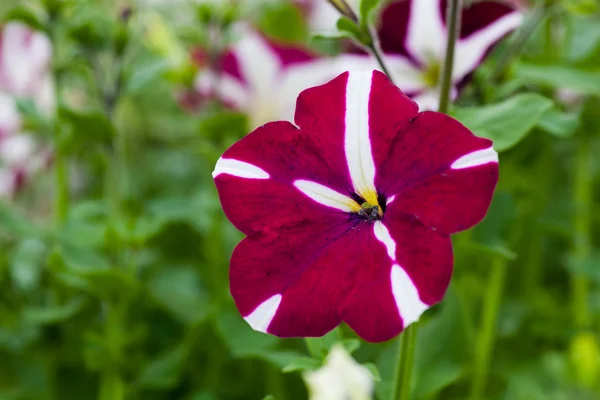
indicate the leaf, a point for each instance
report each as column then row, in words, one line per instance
column 27, row 15
column 366, row 9
column 302, row 364
column 88, row 125
column 559, row 123
column 319, row 347
column 164, row 372
column 581, row 79
column 239, row 337
column 145, row 74
column 374, row 371
column 179, row 290
column 505, row 123
column 27, row 263
column 351, row 345
column 347, row 27
column 54, row 314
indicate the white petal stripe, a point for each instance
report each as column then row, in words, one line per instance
column 357, row 144
column 407, row 297
column 383, row 235
column 238, row 168
column 261, row 317
column 326, row 196
column 476, row 158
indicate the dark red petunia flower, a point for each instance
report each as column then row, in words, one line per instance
column 348, row 215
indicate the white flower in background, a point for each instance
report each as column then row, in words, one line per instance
column 413, row 35
column 25, row 57
column 263, row 78
column 322, row 16
column 341, row 378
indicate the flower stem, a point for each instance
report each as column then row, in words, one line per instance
column 61, row 181
column 404, row 366
column 487, row 334
column 378, row 53
column 453, row 24
column 582, row 248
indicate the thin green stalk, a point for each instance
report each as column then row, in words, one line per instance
column 378, row 54
column 487, row 333
column 404, row 364
column 582, row 246
column 453, row 23
column 61, row 183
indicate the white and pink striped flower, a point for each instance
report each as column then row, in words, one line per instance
column 348, row 213
column 413, row 36
column 25, row 57
column 263, row 78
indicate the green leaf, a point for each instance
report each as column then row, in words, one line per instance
column 27, row 263
column 351, row 345
column 239, row 337
column 269, row 397
column 87, row 125
column 374, row 371
column 54, row 314
column 319, row 347
column 179, row 290
column 366, row 8
column 164, row 372
column 145, row 74
column 581, row 79
column 349, row 28
column 505, row 123
column 27, row 15
column 302, row 364
column 559, row 123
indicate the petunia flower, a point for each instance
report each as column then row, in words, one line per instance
column 263, row 78
column 24, row 74
column 321, row 15
column 348, row 213
column 341, row 378
column 413, row 35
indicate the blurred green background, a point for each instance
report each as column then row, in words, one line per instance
column 121, row 292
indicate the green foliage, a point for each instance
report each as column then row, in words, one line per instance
column 505, row 123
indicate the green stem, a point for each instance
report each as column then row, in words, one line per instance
column 61, row 181
column 453, row 23
column 582, row 246
column 378, row 54
column 404, row 365
column 487, row 333
column 61, row 164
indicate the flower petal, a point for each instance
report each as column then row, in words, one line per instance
column 422, row 147
column 471, row 50
column 255, row 178
column 314, row 273
column 420, row 267
column 454, row 199
column 426, row 34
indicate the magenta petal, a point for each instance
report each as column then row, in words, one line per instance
column 425, row 255
column 389, row 109
column 313, row 273
column 393, row 28
column 288, row 153
column 451, row 200
column 425, row 146
column 479, row 15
